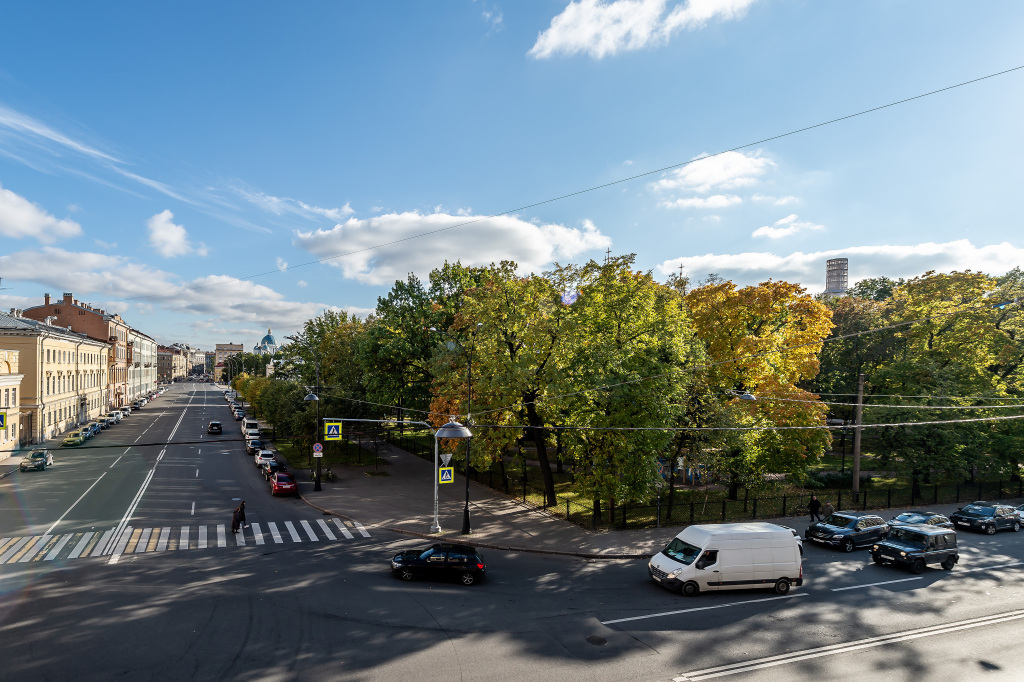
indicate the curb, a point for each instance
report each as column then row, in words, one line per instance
column 487, row 545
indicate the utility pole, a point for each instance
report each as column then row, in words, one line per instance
column 856, row 438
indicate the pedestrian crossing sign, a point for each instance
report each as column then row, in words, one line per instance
column 332, row 430
column 446, row 475
column 3, row 420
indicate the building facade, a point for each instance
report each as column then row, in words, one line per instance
column 142, row 378
column 65, row 376
column 837, row 272
column 10, row 385
column 172, row 364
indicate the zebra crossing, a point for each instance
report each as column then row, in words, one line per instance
column 133, row 540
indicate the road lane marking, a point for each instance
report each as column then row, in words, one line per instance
column 202, row 537
column 291, row 530
column 240, row 537
column 344, row 530
column 165, row 535
column 856, row 645
column 77, row 551
column 989, row 568
column 116, row 461
column 197, row 473
column 183, row 542
column 122, row 541
column 193, row 509
column 274, row 533
column 309, row 531
column 101, row 546
column 257, row 533
column 58, row 547
column 35, row 549
column 221, row 538
column 11, row 552
column 359, row 527
column 326, row 529
column 143, row 542
column 50, row 529
column 884, row 582
column 703, row 608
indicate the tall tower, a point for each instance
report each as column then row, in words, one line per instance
column 837, row 272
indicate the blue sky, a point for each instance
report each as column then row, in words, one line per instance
column 180, row 163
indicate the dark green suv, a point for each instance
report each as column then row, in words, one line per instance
column 916, row 546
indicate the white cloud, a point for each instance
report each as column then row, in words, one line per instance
column 384, row 248
column 728, row 170
column 493, row 18
column 282, row 265
column 171, row 240
column 785, row 227
column 865, row 261
column 713, row 201
column 302, row 283
column 20, row 123
column 775, row 201
column 600, row 28
column 285, row 206
column 105, row 245
column 19, row 218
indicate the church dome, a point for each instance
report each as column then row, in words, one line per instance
column 268, row 340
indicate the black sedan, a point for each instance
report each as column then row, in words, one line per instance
column 37, row 460
column 927, row 518
column 442, row 561
column 273, row 467
column 214, row 427
column 848, row 530
column 252, row 446
column 987, row 518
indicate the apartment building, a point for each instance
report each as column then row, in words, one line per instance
column 142, row 366
column 10, row 385
column 171, row 363
column 65, row 376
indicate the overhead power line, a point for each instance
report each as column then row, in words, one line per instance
column 605, row 185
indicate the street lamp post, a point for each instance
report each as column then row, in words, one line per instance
column 466, row 526
column 452, row 429
column 315, row 397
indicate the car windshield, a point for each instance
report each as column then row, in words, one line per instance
column 282, row 478
column 975, row 510
column 912, row 517
column 909, row 537
column 683, row 552
column 839, row 520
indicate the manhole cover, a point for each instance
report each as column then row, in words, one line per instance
column 597, row 640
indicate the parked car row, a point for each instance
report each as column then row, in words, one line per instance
column 275, row 472
column 105, row 421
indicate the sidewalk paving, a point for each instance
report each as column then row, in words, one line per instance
column 402, row 502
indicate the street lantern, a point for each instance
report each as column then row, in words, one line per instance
column 312, row 397
column 452, row 429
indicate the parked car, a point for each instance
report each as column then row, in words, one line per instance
column 37, row 460
column 729, row 556
column 239, row 415
column 214, row 427
column 273, row 467
column 104, row 422
column 94, row 427
column 126, row 410
column 848, row 530
column 136, row 404
column 115, row 415
column 253, row 445
column 252, row 434
column 925, row 517
column 987, row 518
column 442, row 561
column 86, row 430
column 283, row 484
column 917, row 546
column 74, row 438
column 263, row 457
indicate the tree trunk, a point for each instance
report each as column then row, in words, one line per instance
column 537, row 433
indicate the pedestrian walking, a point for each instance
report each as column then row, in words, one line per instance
column 238, row 517
column 828, row 509
column 814, row 506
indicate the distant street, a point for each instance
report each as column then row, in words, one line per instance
column 291, row 607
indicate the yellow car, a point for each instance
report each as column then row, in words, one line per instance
column 74, row 438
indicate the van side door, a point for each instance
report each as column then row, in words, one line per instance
column 708, row 575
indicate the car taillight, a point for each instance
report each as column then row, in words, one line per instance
column 480, row 566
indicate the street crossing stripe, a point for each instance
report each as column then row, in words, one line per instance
column 240, row 537
column 257, row 534
column 77, row 551
column 35, row 548
column 291, row 530
column 309, row 531
column 58, row 547
column 359, row 527
column 98, row 548
column 326, row 529
column 344, row 531
column 274, row 532
column 202, row 537
column 221, row 538
column 143, row 541
column 183, row 542
column 9, row 553
column 165, row 535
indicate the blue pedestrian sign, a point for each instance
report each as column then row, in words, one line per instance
column 332, row 430
column 446, row 475
column 3, row 420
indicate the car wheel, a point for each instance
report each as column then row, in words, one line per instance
column 1016, row 526
column 467, row 578
column 405, row 574
column 690, row 589
column 847, row 545
column 917, row 567
column 991, row 530
column 877, row 558
column 949, row 563
column 782, row 586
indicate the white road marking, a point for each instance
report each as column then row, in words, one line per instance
column 202, row 537
column 240, row 537
column 13, row 550
column 116, row 461
column 50, row 529
column 257, row 534
column 884, row 582
column 221, row 538
column 58, row 547
column 359, row 527
column 165, row 535
column 294, row 533
column 273, row 532
column 122, row 542
column 856, row 645
column 309, row 531
column 344, row 530
column 197, row 473
column 143, row 543
column 102, row 544
column 326, row 529
column 989, row 568
column 193, row 509
column 183, row 541
column 703, row 608
column 38, row 545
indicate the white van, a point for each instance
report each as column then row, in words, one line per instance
column 729, row 556
column 250, row 424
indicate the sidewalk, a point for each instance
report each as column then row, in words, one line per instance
column 402, row 502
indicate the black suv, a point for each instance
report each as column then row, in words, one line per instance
column 916, row 546
column 986, row 517
column 214, row 427
column 927, row 518
column 442, row 561
column 848, row 530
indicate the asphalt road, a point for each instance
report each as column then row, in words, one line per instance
column 327, row 608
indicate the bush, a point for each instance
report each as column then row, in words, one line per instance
column 834, row 479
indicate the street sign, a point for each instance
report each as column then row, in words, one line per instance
column 317, row 454
column 3, row 420
column 317, row 447
column 332, row 430
column 445, row 459
column 446, row 475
